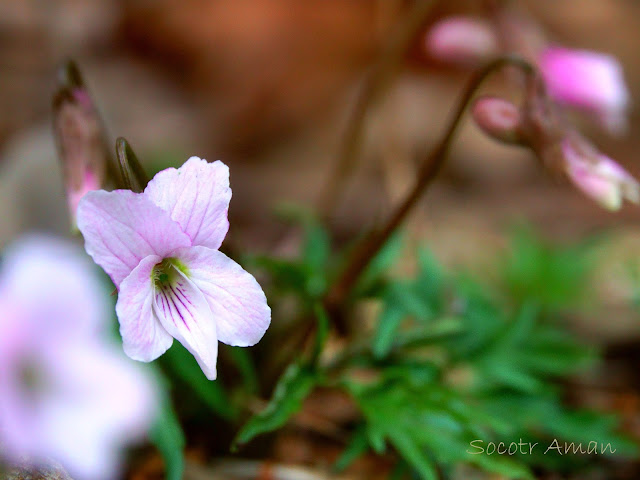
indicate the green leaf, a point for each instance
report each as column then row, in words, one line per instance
column 502, row 465
column 166, row 434
column 410, row 451
column 358, row 445
column 316, row 249
column 287, row 274
column 553, row 277
column 293, row 387
column 185, row 367
column 383, row 261
column 243, row 361
column 388, row 324
column 322, row 332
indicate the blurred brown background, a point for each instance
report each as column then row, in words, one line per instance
column 267, row 86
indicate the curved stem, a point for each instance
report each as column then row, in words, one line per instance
column 378, row 82
column 432, row 164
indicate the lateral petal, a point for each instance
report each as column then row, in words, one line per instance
column 197, row 196
column 143, row 336
column 120, row 228
column 237, row 302
column 185, row 314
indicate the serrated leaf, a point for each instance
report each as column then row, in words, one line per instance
column 293, row 387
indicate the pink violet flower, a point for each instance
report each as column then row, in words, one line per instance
column 599, row 177
column 160, row 248
column 67, row 393
column 589, row 81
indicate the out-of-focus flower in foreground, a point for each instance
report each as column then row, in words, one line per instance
column 160, row 248
column 598, row 176
column 66, row 392
column 463, row 41
column 589, row 81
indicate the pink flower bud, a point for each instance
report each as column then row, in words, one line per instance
column 599, row 177
column 498, row 118
column 82, row 148
column 589, row 81
column 461, row 40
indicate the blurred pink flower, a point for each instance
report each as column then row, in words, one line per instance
column 599, row 177
column 66, row 393
column 586, row 80
column 464, row 41
column 160, row 248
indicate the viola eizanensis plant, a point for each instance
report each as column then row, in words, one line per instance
column 449, row 373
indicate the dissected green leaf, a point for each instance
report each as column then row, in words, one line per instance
column 293, row 387
column 358, row 446
column 322, row 332
column 380, row 265
column 426, row 423
column 388, row 324
column 553, row 277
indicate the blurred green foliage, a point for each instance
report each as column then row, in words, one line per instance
column 453, row 359
column 449, row 358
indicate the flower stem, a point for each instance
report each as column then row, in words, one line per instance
column 431, row 165
column 377, row 83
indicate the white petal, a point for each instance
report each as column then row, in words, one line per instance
column 120, row 228
column 196, row 196
column 185, row 314
column 237, row 301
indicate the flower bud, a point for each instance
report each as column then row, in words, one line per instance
column 588, row 81
column 498, row 118
column 598, row 176
column 82, row 147
column 461, row 41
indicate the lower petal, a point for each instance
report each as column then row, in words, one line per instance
column 143, row 336
column 237, row 302
column 185, row 314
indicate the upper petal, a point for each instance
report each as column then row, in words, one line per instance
column 120, row 228
column 196, row 196
column 143, row 336
column 237, row 301
column 185, row 314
